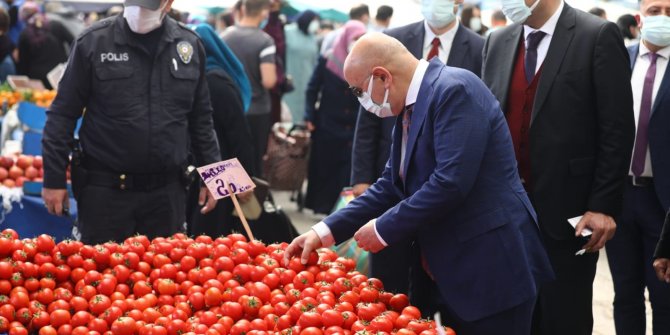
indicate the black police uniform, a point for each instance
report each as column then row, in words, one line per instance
column 146, row 106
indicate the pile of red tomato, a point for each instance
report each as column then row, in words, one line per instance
column 180, row 285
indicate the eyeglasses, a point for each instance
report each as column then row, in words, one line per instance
column 357, row 92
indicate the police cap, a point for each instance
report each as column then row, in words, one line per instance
column 148, row 4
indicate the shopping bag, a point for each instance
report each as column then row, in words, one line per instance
column 349, row 248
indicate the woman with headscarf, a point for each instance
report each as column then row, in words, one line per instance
column 223, row 72
column 42, row 44
column 332, row 123
column 302, row 54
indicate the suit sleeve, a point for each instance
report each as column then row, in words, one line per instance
column 366, row 148
column 460, row 139
column 67, row 107
column 616, row 125
column 313, row 88
column 200, row 123
column 663, row 247
column 485, row 51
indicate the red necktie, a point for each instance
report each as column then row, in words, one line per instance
column 435, row 50
column 641, row 140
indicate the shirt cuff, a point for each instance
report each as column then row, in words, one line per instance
column 324, row 233
column 379, row 236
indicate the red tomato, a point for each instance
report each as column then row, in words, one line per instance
column 331, row 318
column 398, row 302
column 59, row 317
column 212, row 297
column 48, row 330
column 412, row 311
column 310, row 319
column 311, row 331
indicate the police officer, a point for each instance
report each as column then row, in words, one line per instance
column 140, row 76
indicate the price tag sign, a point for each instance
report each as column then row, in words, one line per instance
column 223, row 177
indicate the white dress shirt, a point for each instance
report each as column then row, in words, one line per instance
column 548, row 28
column 637, row 81
column 446, row 41
column 321, row 228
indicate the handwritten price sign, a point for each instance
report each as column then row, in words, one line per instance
column 223, row 177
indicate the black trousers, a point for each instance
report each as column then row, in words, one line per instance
column 631, row 255
column 107, row 214
column 392, row 266
column 260, row 125
column 564, row 306
column 515, row 320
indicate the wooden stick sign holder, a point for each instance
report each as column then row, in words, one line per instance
column 225, row 179
column 240, row 213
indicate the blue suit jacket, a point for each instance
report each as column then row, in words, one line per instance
column 462, row 199
column 372, row 140
column 659, row 134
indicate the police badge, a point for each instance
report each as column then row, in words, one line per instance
column 185, row 51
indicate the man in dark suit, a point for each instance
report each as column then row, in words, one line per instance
column 562, row 77
column 647, row 192
column 451, row 184
column 458, row 47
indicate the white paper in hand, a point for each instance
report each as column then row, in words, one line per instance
column 574, row 221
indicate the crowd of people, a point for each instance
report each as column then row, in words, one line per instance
column 465, row 205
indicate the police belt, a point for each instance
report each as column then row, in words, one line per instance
column 128, row 181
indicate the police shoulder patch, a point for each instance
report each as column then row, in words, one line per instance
column 185, row 51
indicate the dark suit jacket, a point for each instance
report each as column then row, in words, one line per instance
column 582, row 126
column 659, row 134
column 461, row 199
column 372, row 140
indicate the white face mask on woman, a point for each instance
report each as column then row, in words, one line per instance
column 142, row 20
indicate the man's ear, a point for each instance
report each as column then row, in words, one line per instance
column 382, row 74
column 639, row 20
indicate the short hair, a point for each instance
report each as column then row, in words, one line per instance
column 498, row 15
column 597, row 11
column 384, row 13
column 357, row 12
column 227, row 18
column 4, row 20
column 255, row 7
column 625, row 22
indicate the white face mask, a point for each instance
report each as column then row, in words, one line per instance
column 476, row 24
column 313, row 27
column 656, row 30
column 142, row 20
column 517, row 11
column 438, row 13
column 383, row 110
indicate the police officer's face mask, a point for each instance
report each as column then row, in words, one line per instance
column 142, row 20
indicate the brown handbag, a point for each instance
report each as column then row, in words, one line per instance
column 285, row 162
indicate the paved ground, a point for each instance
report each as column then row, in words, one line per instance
column 603, row 292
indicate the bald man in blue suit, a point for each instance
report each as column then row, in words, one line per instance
column 451, row 184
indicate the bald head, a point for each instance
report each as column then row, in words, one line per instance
column 384, row 60
column 376, row 49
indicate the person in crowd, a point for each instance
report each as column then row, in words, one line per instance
column 238, row 11
column 223, row 21
column 16, row 25
column 114, row 10
column 451, row 185
column 382, row 19
column 275, row 28
column 68, row 17
column 140, row 77
column 325, row 28
column 438, row 36
column 331, row 119
column 232, row 131
column 256, row 50
column 471, row 17
column 647, row 192
column 359, row 12
column 629, row 29
column 570, row 113
column 7, row 66
column 599, row 12
column 662, row 253
column 304, row 53
column 498, row 20
column 42, row 44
